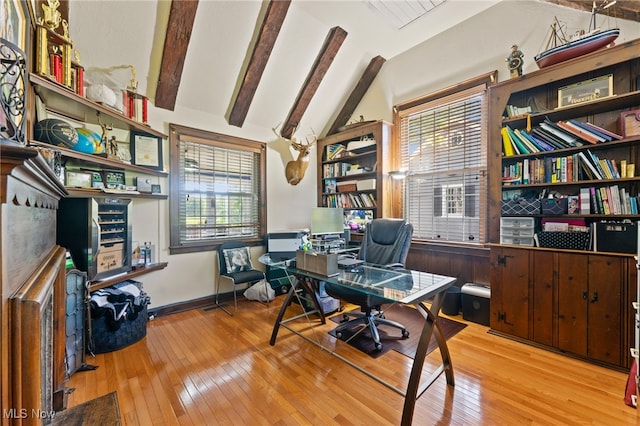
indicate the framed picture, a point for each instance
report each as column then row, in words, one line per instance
column 14, row 25
column 146, row 150
column 586, row 91
column 77, row 179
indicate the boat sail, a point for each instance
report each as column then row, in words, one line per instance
column 564, row 48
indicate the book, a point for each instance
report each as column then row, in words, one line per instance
column 577, row 131
column 568, row 138
column 606, row 209
column 532, row 145
column 580, row 125
column 594, row 173
column 550, row 138
column 604, row 132
column 522, row 148
column 585, row 201
column 507, row 148
column 539, row 143
column 596, row 163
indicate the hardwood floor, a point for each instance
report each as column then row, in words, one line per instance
column 207, row 368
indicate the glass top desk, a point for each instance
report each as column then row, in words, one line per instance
column 397, row 286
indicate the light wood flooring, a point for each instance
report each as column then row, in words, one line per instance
column 208, row 368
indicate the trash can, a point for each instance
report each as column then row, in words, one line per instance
column 452, row 302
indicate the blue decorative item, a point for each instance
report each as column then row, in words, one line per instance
column 89, row 142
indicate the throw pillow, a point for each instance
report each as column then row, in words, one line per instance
column 237, row 259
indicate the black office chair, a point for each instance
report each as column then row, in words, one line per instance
column 234, row 264
column 385, row 242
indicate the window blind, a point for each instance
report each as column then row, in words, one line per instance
column 443, row 147
column 218, row 190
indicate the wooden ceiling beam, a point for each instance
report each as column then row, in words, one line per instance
column 622, row 9
column 325, row 57
column 181, row 18
column 358, row 93
column 270, row 28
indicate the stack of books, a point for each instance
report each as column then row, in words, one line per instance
column 549, row 136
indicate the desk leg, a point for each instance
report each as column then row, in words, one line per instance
column 431, row 327
column 307, row 285
column 283, row 309
column 310, row 289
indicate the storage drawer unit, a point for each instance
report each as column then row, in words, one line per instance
column 517, row 230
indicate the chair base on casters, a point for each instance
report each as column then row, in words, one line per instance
column 371, row 320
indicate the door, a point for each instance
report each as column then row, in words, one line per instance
column 604, row 314
column 510, row 275
column 573, row 294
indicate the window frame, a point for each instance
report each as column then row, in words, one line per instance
column 176, row 132
column 402, row 109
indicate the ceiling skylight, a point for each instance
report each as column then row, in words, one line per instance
column 400, row 13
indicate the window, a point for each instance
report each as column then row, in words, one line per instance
column 217, row 189
column 443, row 150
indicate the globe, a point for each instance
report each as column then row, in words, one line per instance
column 89, row 142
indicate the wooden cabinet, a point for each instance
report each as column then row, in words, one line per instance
column 590, row 290
column 565, row 300
column 510, row 281
column 353, row 167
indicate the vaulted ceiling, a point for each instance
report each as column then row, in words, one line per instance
column 265, row 63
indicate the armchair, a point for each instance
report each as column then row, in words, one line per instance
column 234, row 264
column 386, row 242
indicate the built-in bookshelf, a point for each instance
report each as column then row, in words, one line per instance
column 569, row 297
column 353, row 169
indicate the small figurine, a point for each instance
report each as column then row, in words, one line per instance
column 514, row 61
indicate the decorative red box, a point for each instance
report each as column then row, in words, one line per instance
column 630, row 123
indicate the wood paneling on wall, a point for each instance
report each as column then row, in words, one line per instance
column 468, row 265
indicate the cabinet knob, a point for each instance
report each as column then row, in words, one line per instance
column 595, row 297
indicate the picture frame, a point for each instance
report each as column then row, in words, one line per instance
column 586, row 91
column 78, row 179
column 146, row 150
column 15, row 27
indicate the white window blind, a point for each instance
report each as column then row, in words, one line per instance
column 217, row 189
column 443, row 148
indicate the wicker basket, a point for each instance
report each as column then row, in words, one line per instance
column 109, row 335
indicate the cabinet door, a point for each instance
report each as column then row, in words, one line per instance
column 573, row 293
column 543, row 307
column 606, row 280
column 510, row 291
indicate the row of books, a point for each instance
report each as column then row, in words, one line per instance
column 334, row 151
column 350, row 200
column 608, row 200
column 335, row 170
column 515, row 111
column 549, row 136
column 583, row 165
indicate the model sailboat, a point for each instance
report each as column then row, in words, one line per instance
column 564, row 48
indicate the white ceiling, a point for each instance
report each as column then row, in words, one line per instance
column 110, row 34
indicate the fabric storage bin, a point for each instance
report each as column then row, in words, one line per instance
column 564, row 240
column 520, row 207
column 555, row 206
column 118, row 317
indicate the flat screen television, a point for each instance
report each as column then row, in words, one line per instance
column 327, row 221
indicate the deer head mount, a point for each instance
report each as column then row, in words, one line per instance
column 294, row 170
